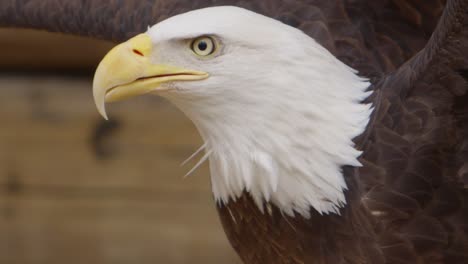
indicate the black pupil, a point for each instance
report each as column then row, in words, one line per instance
column 202, row 45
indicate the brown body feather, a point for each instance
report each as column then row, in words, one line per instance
column 409, row 202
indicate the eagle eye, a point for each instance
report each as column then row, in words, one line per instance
column 203, row 46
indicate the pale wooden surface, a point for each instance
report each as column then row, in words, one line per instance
column 74, row 191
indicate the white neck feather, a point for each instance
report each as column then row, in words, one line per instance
column 282, row 133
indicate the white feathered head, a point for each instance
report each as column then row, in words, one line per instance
column 276, row 110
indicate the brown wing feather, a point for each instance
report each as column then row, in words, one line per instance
column 418, row 148
column 107, row 19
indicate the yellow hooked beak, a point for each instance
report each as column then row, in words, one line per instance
column 127, row 71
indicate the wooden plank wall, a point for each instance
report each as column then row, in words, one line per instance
column 76, row 189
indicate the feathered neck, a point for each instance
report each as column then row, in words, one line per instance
column 284, row 132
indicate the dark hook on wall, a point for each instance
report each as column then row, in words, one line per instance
column 100, row 138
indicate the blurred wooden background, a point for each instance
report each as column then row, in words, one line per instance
column 77, row 189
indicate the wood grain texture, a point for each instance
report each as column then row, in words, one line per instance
column 64, row 200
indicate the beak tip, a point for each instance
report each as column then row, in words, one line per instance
column 102, row 111
column 104, row 115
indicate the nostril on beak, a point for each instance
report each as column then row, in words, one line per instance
column 137, row 52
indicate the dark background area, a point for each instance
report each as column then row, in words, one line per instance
column 77, row 189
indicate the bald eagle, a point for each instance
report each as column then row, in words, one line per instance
column 336, row 131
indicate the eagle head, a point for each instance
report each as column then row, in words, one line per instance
column 276, row 110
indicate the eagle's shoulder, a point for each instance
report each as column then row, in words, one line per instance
column 413, row 180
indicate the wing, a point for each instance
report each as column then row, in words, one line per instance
column 111, row 20
column 372, row 36
column 416, row 154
